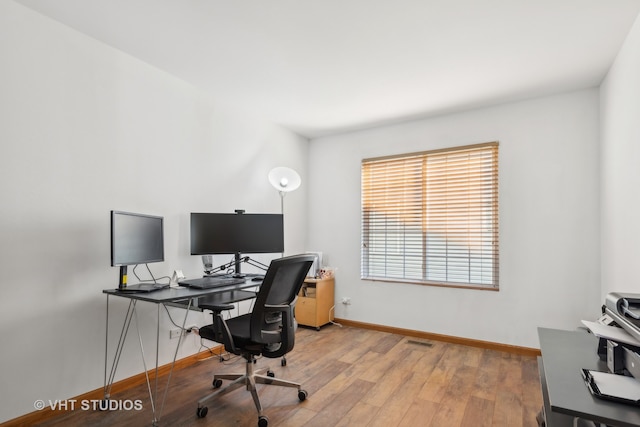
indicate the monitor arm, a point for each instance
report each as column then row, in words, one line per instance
column 238, row 259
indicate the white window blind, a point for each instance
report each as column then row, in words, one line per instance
column 432, row 217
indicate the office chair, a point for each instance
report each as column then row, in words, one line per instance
column 269, row 330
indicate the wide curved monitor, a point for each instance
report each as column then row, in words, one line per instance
column 227, row 233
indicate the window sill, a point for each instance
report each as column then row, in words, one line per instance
column 438, row 284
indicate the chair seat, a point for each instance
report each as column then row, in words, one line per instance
column 240, row 329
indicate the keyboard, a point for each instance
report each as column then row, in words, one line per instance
column 211, row 282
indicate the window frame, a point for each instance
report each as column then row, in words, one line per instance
column 475, row 212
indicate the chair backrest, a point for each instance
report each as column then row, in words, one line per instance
column 272, row 319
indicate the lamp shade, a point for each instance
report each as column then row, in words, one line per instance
column 284, row 179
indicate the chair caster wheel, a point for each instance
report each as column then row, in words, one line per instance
column 302, row 395
column 217, row 383
column 202, row 412
column 270, row 374
column 263, row 421
column 283, row 362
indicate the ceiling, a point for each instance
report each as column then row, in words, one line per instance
column 325, row 66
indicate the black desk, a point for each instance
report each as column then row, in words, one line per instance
column 179, row 293
column 181, row 297
column 565, row 394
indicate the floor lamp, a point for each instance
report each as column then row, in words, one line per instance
column 285, row 180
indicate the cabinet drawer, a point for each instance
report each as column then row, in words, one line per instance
column 306, row 310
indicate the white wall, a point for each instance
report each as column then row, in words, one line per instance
column 85, row 129
column 620, row 165
column 548, row 189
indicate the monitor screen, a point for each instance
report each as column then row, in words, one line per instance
column 223, row 233
column 136, row 238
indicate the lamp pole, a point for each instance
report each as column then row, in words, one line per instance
column 284, row 180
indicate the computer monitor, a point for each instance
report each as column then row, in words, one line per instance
column 239, row 233
column 135, row 239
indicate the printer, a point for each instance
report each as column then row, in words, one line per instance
column 624, row 310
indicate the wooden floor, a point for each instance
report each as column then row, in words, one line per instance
column 354, row 377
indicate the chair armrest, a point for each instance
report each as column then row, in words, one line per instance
column 218, row 331
column 217, row 307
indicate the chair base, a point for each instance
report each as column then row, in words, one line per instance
column 249, row 379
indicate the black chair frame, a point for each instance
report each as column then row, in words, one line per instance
column 269, row 330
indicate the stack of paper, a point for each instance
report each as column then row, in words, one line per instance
column 612, row 333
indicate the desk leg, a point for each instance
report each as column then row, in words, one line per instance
column 146, row 371
column 175, row 354
column 153, row 394
column 108, row 383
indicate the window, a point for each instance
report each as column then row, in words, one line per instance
column 432, row 217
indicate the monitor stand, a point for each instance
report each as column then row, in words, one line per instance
column 122, row 282
column 237, row 262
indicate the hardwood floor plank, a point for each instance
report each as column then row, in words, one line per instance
column 408, row 355
column 392, row 360
column 360, row 415
column 478, row 413
column 383, row 390
column 330, row 389
column 399, row 402
column 316, row 376
column 342, row 403
column 430, row 357
column 420, row 413
column 437, row 383
column 360, row 345
column 456, row 394
column 508, row 409
column 508, row 401
column 449, row 414
column 473, row 356
column 486, row 383
column 510, row 373
column 461, row 382
column 297, row 418
column 531, row 392
column 386, row 342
